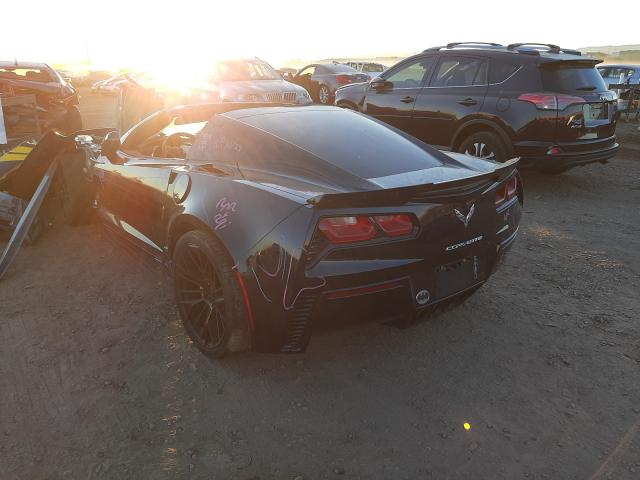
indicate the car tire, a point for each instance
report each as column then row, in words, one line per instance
column 208, row 295
column 73, row 120
column 486, row 145
column 324, row 95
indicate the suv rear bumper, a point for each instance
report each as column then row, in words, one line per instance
column 570, row 156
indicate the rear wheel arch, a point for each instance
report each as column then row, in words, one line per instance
column 186, row 223
column 477, row 126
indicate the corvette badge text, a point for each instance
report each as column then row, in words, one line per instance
column 464, row 244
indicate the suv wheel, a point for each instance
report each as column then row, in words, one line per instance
column 486, row 145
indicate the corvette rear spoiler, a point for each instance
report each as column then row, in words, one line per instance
column 437, row 192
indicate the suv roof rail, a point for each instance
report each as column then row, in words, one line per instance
column 550, row 48
column 487, row 44
column 457, row 44
column 433, row 49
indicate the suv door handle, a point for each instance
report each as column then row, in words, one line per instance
column 469, row 102
column 407, row 99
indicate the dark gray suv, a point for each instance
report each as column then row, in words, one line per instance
column 543, row 103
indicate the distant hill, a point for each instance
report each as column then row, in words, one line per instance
column 615, row 53
column 610, row 49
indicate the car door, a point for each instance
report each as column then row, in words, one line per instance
column 393, row 102
column 455, row 92
column 132, row 197
column 304, row 78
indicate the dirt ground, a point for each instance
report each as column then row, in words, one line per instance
column 98, row 380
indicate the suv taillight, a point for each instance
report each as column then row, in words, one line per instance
column 507, row 191
column 547, row 101
column 362, row 228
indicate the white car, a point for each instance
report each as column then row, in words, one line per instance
column 370, row 68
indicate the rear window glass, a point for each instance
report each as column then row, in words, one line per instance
column 378, row 151
column 500, row 71
column 572, row 78
column 339, row 68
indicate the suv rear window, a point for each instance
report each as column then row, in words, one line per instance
column 616, row 71
column 572, row 78
column 500, row 71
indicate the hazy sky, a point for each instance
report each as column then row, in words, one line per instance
column 142, row 33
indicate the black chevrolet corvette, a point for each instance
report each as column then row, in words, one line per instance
column 271, row 217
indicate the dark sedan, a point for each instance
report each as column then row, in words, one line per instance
column 56, row 98
column 267, row 228
column 322, row 80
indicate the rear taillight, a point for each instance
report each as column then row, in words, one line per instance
column 347, row 229
column 362, row 228
column 507, row 191
column 546, row 101
column 394, row 225
column 344, row 78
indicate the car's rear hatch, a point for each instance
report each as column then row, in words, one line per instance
column 586, row 108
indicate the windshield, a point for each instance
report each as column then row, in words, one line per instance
column 372, row 67
column 340, row 68
column 239, row 70
column 32, row 74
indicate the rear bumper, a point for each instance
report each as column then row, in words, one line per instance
column 568, row 159
column 291, row 292
column 401, row 294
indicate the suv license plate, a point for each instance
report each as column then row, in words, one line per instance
column 595, row 111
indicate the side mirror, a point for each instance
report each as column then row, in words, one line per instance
column 110, row 146
column 380, row 84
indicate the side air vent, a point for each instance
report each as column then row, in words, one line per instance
column 299, row 324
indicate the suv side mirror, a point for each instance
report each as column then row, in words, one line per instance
column 380, row 84
column 110, row 146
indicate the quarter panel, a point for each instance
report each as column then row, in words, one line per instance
column 240, row 213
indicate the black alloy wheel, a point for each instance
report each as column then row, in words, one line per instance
column 208, row 296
